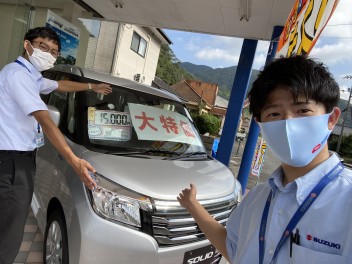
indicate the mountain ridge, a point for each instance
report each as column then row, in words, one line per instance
column 223, row 77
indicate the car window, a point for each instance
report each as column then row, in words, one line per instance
column 136, row 120
column 49, row 75
column 59, row 100
column 71, row 113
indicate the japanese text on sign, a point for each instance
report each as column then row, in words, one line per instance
column 152, row 123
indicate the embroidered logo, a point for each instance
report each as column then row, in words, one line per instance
column 316, row 148
column 323, row 242
column 319, row 145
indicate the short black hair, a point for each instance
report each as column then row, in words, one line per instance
column 302, row 76
column 43, row 32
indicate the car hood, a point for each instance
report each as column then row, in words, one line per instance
column 165, row 179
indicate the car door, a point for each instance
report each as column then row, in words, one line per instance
column 48, row 161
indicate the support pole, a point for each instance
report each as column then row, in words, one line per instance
column 238, row 94
column 343, row 122
column 254, row 129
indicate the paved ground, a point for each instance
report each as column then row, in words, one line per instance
column 270, row 164
column 32, row 245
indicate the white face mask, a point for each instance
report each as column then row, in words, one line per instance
column 296, row 141
column 41, row 60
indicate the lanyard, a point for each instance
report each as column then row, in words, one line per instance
column 302, row 209
column 22, row 64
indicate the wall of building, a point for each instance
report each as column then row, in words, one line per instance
column 13, row 27
column 110, row 53
column 208, row 91
column 129, row 63
column 100, row 53
column 152, row 59
column 40, row 15
column 7, row 15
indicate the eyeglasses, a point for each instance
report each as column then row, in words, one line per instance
column 45, row 47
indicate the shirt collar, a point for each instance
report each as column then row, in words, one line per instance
column 37, row 75
column 275, row 181
column 304, row 184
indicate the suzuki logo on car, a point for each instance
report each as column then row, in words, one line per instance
column 200, row 258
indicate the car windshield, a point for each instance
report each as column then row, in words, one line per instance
column 132, row 121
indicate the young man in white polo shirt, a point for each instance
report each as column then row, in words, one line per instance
column 302, row 214
column 23, row 119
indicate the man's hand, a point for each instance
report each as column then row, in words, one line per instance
column 213, row 230
column 67, row 86
column 102, row 88
column 81, row 168
column 187, row 197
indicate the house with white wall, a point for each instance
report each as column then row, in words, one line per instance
column 125, row 50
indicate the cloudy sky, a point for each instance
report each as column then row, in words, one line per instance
column 333, row 48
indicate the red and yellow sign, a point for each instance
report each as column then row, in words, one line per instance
column 304, row 26
column 258, row 161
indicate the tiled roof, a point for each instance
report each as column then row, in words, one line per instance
column 219, row 111
column 159, row 83
column 188, row 94
column 346, row 130
column 222, row 102
column 183, row 90
column 207, row 91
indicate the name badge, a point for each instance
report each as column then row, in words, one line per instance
column 39, row 139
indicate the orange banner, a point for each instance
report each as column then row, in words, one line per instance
column 304, row 26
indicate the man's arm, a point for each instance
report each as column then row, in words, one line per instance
column 56, row 138
column 214, row 231
column 70, row 86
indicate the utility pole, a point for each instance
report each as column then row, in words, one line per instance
column 344, row 116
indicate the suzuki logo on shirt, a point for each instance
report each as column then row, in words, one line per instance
column 323, row 242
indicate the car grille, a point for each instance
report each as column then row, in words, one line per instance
column 173, row 225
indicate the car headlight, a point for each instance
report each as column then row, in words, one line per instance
column 118, row 204
column 238, row 192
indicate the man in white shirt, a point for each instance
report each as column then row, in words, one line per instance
column 302, row 214
column 23, row 119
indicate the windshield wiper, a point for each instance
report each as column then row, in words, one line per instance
column 143, row 152
column 177, row 155
column 188, row 155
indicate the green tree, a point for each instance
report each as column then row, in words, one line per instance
column 345, row 150
column 168, row 68
column 207, row 123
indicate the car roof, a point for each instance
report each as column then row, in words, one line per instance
column 107, row 78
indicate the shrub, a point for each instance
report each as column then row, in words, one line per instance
column 345, row 146
column 207, row 123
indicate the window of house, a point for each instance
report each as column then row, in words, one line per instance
column 138, row 44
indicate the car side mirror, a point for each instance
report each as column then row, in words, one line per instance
column 54, row 114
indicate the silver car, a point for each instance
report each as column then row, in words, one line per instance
column 145, row 148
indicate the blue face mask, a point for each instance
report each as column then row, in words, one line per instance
column 296, row 141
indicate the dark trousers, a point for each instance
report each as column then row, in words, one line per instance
column 16, row 189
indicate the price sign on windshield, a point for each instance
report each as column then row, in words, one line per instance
column 112, row 118
column 109, row 125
